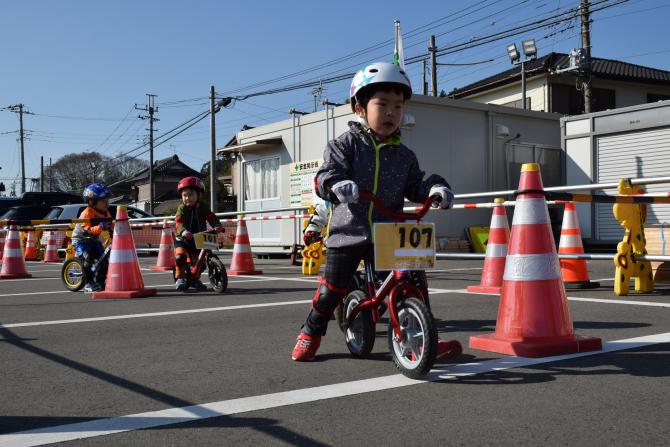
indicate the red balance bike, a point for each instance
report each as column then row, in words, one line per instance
column 412, row 335
column 218, row 278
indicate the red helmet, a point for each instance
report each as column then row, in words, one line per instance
column 191, row 182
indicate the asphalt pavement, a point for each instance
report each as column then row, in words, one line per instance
column 207, row 369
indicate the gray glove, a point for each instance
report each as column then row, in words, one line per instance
column 446, row 196
column 346, row 191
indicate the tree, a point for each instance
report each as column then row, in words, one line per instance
column 72, row 172
column 223, row 168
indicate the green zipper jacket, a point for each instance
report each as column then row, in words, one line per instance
column 390, row 170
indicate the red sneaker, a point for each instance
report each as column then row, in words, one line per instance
column 448, row 349
column 306, row 347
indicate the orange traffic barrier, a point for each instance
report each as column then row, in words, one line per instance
column 2, row 242
column 496, row 251
column 243, row 261
column 574, row 271
column 124, row 279
column 533, row 317
column 51, row 252
column 31, row 249
column 166, row 259
column 13, row 264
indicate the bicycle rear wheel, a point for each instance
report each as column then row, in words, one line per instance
column 415, row 355
column 360, row 336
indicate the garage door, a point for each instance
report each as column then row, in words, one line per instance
column 636, row 154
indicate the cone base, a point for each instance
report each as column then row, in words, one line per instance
column 159, row 267
column 124, row 294
column 535, row 348
column 485, row 289
column 15, row 275
column 30, row 259
column 581, row 285
column 244, row 272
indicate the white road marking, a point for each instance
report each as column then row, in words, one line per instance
column 153, row 314
column 150, row 419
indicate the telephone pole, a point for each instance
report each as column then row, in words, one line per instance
column 433, row 65
column 212, row 147
column 424, row 84
column 42, row 174
column 151, row 109
column 18, row 108
column 586, row 46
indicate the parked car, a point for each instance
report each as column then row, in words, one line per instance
column 7, row 202
column 74, row 210
column 25, row 212
column 144, row 237
column 33, row 205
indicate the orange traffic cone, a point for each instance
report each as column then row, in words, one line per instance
column 496, row 251
column 533, row 318
column 124, row 279
column 51, row 252
column 13, row 264
column 574, row 271
column 166, row 259
column 243, row 261
column 2, row 241
column 31, row 250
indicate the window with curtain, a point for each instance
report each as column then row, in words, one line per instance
column 261, row 179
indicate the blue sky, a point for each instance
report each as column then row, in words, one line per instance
column 95, row 60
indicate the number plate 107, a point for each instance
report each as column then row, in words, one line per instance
column 404, row 246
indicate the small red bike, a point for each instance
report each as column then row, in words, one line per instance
column 412, row 335
column 218, row 278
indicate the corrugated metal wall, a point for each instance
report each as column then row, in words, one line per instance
column 634, row 154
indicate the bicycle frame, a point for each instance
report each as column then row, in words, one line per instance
column 195, row 270
column 396, row 283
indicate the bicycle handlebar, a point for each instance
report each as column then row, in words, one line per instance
column 421, row 211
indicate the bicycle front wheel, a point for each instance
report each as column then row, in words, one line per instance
column 415, row 355
column 72, row 274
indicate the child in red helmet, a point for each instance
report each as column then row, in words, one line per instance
column 192, row 217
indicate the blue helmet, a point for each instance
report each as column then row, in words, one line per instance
column 96, row 191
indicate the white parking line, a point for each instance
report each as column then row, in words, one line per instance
column 572, row 298
column 177, row 415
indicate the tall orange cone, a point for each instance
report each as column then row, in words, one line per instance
column 13, row 264
column 31, row 249
column 2, row 241
column 243, row 261
column 574, row 271
column 496, row 251
column 533, row 317
column 124, row 279
column 166, row 259
column 51, row 252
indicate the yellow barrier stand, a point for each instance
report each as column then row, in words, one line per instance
column 632, row 218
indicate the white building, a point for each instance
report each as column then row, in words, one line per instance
column 476, row 147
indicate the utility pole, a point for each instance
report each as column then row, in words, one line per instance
column 424, row 84
column 42, row 174
column 586, row 45
column 433, row 65
column 151, row 109
column 212, row 146
column 18, row 108
column 51, row 175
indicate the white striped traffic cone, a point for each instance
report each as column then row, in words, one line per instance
column 3, row 232
column 496, row 251
column 31, row 249
column 533, row 316
column 243, row 261
column 166, row 259
column 574, row 271
column 13, row 264
column 124, row 279
column 51, row 252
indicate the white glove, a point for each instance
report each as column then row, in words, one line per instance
column 346, row 191
column 445, row 194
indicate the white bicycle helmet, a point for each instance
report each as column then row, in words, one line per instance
column 377, row 73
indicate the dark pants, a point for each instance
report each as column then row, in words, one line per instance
column 341, row 267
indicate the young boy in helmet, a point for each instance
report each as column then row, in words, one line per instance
column 86, row 236
column 192, row 217
column 369, row 156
